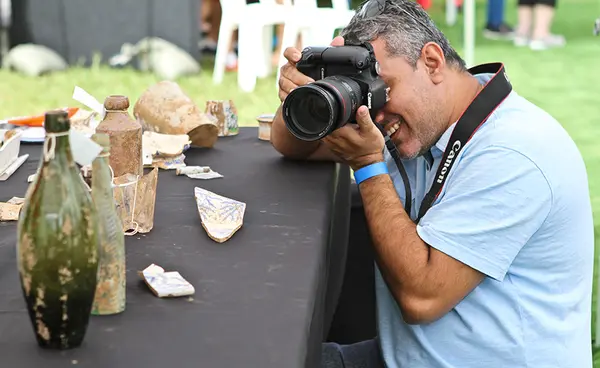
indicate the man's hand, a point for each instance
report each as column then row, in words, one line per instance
column 358, row 145
column 290, row 77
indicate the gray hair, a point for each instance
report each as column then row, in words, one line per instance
column 405, row 27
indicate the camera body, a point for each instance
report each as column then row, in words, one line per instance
column 346, row 77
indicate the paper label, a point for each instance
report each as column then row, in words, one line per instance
column 83, row 148
column 81, row 96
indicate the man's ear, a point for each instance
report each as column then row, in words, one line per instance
column 434, row 61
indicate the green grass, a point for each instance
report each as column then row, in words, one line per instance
column 565, row 82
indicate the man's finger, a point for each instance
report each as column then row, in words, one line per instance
column 295, row 76
column 292, row 54
column 282, row 95
column 363, row 118
column 286, row 85
column 338, row 41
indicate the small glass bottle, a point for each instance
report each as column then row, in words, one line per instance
column 110, row 290
column 57, row 243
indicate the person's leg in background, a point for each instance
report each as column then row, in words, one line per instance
column 496, row 28
column 535, row 20
column 210, row 13
column 525, row 21
column 541, row 36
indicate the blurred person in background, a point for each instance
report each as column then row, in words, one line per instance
column 535, row 20
column 496, row 28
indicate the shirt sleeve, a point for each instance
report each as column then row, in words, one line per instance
column 493, row 202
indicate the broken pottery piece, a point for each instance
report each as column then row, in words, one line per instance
column 165, row 145
column 165, row 108
column 226, row 116
column 265, row 122
column 135, row 201
column 10, row 210
column 16, row 200
column 198, row 172
column 221, row 216
column 168, row 163
column 166, row 284
column 85, row 121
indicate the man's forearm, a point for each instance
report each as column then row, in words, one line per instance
column 401, row 254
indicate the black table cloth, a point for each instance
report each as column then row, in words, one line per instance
column 263, row 299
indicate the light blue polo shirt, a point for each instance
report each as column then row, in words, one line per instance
column 516, row 207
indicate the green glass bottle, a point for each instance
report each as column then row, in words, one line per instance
column 57, row 243
column 110, row 290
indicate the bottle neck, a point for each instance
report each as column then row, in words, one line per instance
column 57, row 148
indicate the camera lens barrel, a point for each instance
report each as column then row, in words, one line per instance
column 313, row 111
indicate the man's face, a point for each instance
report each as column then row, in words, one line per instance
column 413, row 115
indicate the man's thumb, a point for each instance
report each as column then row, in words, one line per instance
column 363, row 118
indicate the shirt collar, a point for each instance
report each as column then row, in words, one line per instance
column 437, row 150
column 440, row 145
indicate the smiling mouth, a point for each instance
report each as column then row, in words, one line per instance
column 392, row 129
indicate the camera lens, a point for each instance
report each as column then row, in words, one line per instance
column 313, row 111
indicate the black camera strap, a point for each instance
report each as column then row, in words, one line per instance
column 480, row 109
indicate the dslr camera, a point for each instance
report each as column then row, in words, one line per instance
column 346, row 77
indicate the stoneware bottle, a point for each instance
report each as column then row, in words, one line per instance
column 110, row 290
column 57, row 243
column 125, row 137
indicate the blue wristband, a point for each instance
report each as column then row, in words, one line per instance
column 370, row 171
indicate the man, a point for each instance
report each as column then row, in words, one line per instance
column 498, row 272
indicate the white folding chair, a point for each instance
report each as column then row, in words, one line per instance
column 254, row 23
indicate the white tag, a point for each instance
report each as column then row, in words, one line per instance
column 83, row 148
column 81, row 96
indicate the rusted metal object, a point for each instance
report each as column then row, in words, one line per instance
column 125, row 137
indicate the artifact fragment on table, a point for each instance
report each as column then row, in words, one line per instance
column 221, row 217
column 168, row 163
column 85, row 121
column 9, row 211
column 166, row 284
column 7, row 135
column 16, row 200
column 165, row 145
column 7, row 173
column 165, row 108
column 10, row 145
column 198, row 172
column 225, row 114
column 265, row 122
column 135, row 201
column 125, row 136
column 31, row 178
